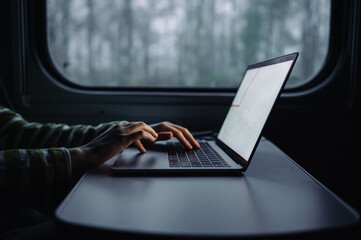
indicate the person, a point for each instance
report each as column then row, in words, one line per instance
column 36, row 160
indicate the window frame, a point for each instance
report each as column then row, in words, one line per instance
column 40, row 95
column 38, row 39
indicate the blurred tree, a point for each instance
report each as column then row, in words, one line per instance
column 91, row 28
column 205, row 43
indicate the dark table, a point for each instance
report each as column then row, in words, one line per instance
column 275, row 197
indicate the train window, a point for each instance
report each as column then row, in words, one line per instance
column 177, row 43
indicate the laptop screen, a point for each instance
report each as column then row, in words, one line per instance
column 260, row 87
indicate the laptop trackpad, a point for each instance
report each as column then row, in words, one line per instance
column 131, row 158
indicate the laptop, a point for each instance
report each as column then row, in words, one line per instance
column 237, row 140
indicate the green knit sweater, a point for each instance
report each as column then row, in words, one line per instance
column 34, row 156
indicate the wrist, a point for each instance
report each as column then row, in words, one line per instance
column 78, row 156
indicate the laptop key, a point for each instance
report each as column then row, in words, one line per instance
column 185, row 164
column 174, row 165
column 205, row 161
column 196, row 164
column 218, row 164
column 225, row 163
column 207, row 165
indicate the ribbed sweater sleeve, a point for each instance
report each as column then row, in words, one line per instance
column 34, row 156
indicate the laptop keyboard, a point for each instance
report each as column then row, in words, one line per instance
column 178, row 156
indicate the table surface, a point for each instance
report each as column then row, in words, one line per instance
column 274, row 196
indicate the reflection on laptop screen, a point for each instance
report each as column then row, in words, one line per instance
column 251, row 107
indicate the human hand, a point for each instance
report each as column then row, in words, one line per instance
column 114, row 140
column 119, row 136
column 167, row 130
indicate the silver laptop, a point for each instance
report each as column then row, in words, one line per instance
column 237, row 140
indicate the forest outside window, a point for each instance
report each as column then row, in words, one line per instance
column 183, row 43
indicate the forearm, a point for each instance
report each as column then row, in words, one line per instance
column 15, row 133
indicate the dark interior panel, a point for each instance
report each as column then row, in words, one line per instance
column 317, row 125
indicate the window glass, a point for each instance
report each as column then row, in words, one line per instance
column 183, row 43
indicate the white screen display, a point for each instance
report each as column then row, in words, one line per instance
column 251, row 107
